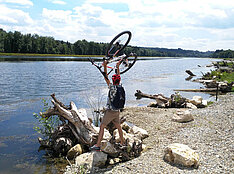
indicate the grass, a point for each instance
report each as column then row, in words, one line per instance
column 221, row 76
column 43, row 57
column 47, row 55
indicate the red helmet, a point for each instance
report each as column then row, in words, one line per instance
column 116, row 79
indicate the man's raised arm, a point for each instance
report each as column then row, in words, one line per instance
column 105, row 71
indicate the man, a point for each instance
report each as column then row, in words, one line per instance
column 111, row 113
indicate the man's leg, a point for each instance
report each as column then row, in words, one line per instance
column 117, row 125
column 100, row 135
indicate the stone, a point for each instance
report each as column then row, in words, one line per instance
column 125, row 126
column 74, row 151
column 136, row 131
column 144, row 148
column 139, row 132
column 108, row 148
column 152, row 104
column 106, row 136
column 91, row 159
column 204, row 103
column 181, row 154
column 128, row 136
column 191, row 106
column 111, row 162
column 182, row 116
column 197, row 100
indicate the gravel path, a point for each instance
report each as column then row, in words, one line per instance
column 210, row 134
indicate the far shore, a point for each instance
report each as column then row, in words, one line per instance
column 66, row 57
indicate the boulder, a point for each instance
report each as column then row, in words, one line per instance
column 182, row 116
column 204, row 103
column 108, row 148
column 74, row 151
column 128, row 136
column 181, row 154
column 152, row 104
column 191, row 106
column 197, row 100
column 136, row 131
column 106, row 136
column 139, row 132
column 114, row 161
column 91, row 159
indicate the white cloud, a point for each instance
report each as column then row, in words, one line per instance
column 59, row 2
column 59, row 16
column 20, row 2
column 14, row 17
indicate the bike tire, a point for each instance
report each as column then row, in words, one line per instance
column 133, row 61
column 126, row 35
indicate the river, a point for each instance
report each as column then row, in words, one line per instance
column 24, row 84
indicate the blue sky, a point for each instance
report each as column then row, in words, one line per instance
column 188, row 24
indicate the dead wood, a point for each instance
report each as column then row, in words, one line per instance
column 175, row 101
column 198, row 90
column 78, row 121
column 190, row 73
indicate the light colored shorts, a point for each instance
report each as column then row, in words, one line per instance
column 109, row 116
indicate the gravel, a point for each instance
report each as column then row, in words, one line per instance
column 210, row 134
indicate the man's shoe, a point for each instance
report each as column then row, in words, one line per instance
column 95, row 147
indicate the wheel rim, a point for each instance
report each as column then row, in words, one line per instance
column 118, row 44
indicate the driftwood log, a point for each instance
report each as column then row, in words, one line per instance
column 175, row 101
column 78, row 121
column 190, row 73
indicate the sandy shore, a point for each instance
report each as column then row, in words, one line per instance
column 210, row 134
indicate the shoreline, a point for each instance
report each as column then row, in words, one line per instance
column 210, row 135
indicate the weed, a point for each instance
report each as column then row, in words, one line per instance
column 46, row 125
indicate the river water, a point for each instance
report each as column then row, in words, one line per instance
column 24, row 84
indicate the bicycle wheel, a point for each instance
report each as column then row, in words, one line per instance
column 118, row 43
column 127, row 64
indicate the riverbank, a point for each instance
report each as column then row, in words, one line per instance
column 45, row 57
column 210, row 134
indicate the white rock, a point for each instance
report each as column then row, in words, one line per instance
column 126, row 135
column 152, row 104
column 139, row 132
column 91, row 159
column 181, row 154
column 136, row 131
column 197, row 100
column 74, row 151
column 108, row 148
column 191, row 106
column 182, row 116
column 106, row 136
column 204, row 103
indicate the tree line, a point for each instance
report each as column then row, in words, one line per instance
column 223, row 54
column 16, row 42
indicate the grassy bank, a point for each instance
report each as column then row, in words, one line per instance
column 224, row 73
column 43, row 57
column 47, row 55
